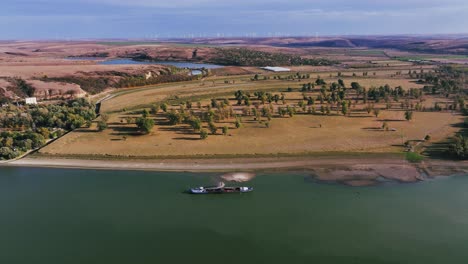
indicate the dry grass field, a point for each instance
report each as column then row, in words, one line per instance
column 296, row 135
column 301, row 134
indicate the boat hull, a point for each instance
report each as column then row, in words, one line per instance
column 224, row 190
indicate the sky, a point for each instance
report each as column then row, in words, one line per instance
column 81, row 19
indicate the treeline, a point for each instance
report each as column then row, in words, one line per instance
column 445, row 80
column 141, row 81
column 247, row 57
column 27, row 128
column 94, row 85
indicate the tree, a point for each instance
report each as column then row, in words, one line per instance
column 385, row 126
column 154, row 109
column 214, row 103
column 225, row 130
column 164, row 107
column 6, row 153
column 238, row 123
column 7, row 142
column 376, row 112
column 175, row 118
column 203, row 134
column 44, row 132
column 409, row 115
column 101, row 125
column 213, row 128
column 195, row 123
column 320, row 81
column 344, row 108
column 145, row 124
column 37, row 139
column 459, row 147
column 341, row 83
column 369, row 108
column 355, row 86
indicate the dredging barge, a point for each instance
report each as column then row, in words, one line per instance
column 220, row 189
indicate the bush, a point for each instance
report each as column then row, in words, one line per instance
column 102, row 125
column 213, row 128
column 145, row 124
column 459, row 148
column 414, row 157
column 238, row 123
column 203, row 134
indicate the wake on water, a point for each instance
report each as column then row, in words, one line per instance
column 238, row 176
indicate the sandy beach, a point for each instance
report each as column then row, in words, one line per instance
column 361, row 171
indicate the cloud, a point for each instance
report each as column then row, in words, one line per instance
column 138, row 18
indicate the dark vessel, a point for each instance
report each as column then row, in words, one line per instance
column 220, row 189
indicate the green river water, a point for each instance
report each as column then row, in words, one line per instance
column 61, row 216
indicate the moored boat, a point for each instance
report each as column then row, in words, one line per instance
column 220, row 189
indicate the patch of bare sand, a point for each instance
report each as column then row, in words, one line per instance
column 369, row 174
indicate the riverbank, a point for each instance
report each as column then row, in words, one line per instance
column 355, row 171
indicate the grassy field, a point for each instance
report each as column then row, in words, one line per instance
column 301, row 134
column 143, row 96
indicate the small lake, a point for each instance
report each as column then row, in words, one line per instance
column 57, row 216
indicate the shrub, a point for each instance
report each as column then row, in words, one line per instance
column 203, row 134
column 145, row 124
column 225, row 130
column 102, row 125
column 414, row 157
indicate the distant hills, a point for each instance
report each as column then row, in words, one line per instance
column 453, row 44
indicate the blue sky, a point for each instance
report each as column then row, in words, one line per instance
column 74, row 19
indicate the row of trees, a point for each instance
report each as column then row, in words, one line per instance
column 248, row 57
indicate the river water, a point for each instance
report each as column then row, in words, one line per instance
column 84, row 216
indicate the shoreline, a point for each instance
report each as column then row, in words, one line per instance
column 353, row 171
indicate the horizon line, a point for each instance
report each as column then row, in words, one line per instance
column 236, row 37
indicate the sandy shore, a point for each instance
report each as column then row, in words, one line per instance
column 351, row 171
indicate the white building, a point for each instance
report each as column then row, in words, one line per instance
column 276, row 69
column 31, row 101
